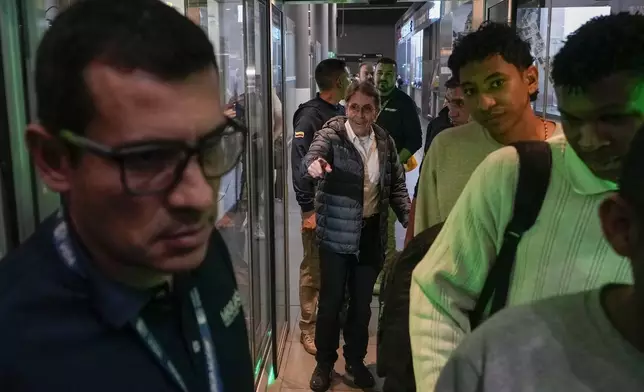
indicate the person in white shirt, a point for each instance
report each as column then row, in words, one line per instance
column 360, row 176
column 600, row 95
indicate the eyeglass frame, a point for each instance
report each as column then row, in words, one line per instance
column 116, row 155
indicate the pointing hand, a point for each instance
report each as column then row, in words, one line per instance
column 319, row 168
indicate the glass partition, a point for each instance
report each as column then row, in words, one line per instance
column 280, row 211
column 37, row 17
column 235, row 28
column 546, row 26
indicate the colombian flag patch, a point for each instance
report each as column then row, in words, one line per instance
column 299, row 135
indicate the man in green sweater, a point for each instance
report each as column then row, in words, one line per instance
column 600, row 95
column 587, row 341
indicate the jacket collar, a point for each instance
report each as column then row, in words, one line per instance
column 116, row 303
column 337, row 124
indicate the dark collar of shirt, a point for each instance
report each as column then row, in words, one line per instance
column 115, row 302
column 337, row 108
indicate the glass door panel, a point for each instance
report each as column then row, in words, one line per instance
column 37, row 16
column 280, row 213
column 17, row 172
column 258, row 176
column 223, row 22
column 546, row 29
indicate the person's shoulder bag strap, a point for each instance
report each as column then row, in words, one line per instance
column 535, row 166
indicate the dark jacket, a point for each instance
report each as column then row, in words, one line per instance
column 308, row 119
column 339, row 199
column 60, row 331
column 436, row 126
column 399, row 117
column 394, row 346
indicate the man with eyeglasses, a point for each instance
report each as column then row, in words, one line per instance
column 127, row 287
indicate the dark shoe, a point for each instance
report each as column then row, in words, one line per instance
column 359, row 375
column 321, row 378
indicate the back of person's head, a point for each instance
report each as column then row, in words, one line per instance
column 129, row 35
column 604, row 46
column 622, row 214
column 631, row 181
column 489, row 40
column 328, row 72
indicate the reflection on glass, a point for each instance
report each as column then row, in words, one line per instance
column 279, row 176
column 223, row 22
column 258, row 158
column 532, row 25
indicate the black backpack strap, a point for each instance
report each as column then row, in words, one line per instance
column 535, row 166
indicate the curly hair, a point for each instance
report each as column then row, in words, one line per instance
column 603, row 46
column 491, row 39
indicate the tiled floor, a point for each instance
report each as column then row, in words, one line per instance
column 298, row 365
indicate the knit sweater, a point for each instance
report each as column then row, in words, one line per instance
column 452, row 158
column 561, row 344
column 563, row 252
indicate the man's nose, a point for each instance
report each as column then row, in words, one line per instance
column 193, row 190
column 485, row 102
column 590, row 138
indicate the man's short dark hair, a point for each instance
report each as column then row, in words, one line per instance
column 631, row 186
column 452, row 83
column 387, row 60
column 491, row 39
column 604, row 46
column 328, row 71
column 128, row 35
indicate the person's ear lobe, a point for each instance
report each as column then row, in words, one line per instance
column 618, row 222
column 50, row 158
column 531, row 76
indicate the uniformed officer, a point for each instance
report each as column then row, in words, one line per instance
column 332, row 78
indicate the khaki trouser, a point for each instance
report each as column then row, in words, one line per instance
column 390, row 252
column 309, row 282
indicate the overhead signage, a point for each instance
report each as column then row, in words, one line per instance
column 427, row 15
column 407, row 29
column 356, row 58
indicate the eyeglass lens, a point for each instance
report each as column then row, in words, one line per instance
column 156, row 169
column 366, row 109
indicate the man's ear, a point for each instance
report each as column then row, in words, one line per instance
column 531, row 77
column 618, row 221
column 50, row 158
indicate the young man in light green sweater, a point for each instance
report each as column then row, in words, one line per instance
column 601, row 99
column 588, row 341
column 499, row 81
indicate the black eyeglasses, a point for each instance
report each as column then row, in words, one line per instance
column 153, row 167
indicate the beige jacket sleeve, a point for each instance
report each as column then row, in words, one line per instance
column 427, row 213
